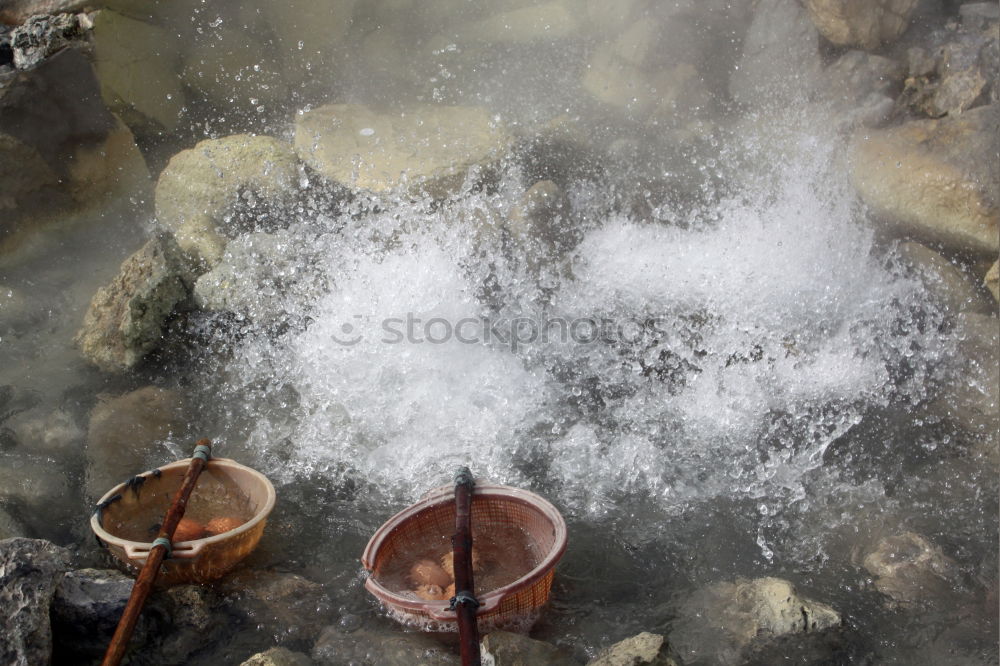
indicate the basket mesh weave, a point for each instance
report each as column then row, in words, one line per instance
column 520, row 601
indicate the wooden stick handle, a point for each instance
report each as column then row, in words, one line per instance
column 465, row 603
column 147, row 576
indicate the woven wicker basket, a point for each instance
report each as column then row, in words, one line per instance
column 515, row 606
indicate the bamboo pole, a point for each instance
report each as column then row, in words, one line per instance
column 465, row 603
column 147, row 576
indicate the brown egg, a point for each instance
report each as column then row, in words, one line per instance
column 188, row 530
column 448, row 563
column 427, row 572
column 430, row 593
column 222, row 524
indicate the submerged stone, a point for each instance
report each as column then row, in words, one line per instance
column 644, row 649
column 781, row 60
column 935, row 179
column 865, row 24
column 718, row 622
column 278, row 656
column 910, row 570
column 509, row 649
column 422, row 149
column 137, row 64
column 945, row 283
column 125, row 433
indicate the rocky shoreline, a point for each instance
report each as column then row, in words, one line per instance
column 96, row 106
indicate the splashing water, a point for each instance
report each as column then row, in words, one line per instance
column 761, row 331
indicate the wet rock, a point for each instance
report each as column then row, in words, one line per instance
column 865, row 24
column 502, row 648
column 370, row 648
column 41, row 36
column 935, row 179
column 966, row 70
column 52, row 432
column 258, row 276
column 85, row 610
column 278, row 656
column 970, row 396
column 110, row 167
column 781, row 60
column 992, row 281
column 862, row 87
column 945, row 283
column 193, row 621
column 290, row 605
column 30, row 570
column 547, row 21
column 31, row 480
column 25, row 182
column 126, row 318
column 648, row 74
column 10, row 526
column 911, row 570
column 125, row 435
column 717, row 623
column 424, row 149
column 16, row 12
column 640, row 650
column 137, row 64
column 201, row 188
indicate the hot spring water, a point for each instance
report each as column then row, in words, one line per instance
column 705, row 357
column 733, row 389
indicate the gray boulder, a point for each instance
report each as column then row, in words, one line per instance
column 86, row 608
column 200, row 189
column 970, row 395
column 944, row 282
column 644, row 649
column 719, row 622
column 861, row 87
column 258, row 275
column 292, row 606
column 125, row 319
column 124, row 435
column 503, row 648
column 423, row 149
column 30, row 570
column 865, row 24
column 912, row 571
column 935, row 179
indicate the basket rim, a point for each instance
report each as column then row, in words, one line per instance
column 259, row 516
column 441, row 495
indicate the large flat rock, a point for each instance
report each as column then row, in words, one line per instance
column 422, row 149
column 935, row 179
